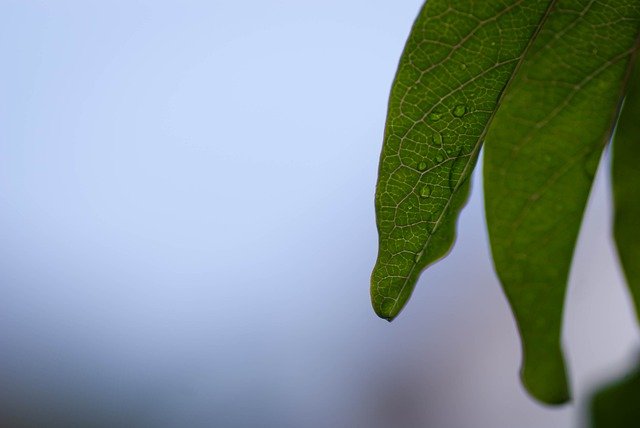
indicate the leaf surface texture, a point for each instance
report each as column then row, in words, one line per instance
column 458, row 59
column 541, row 155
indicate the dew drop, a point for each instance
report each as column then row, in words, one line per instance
column 435, row 116
column 439, row 158
column 437, row 139
column 463, row 66
column 425, row 192
column 459, row 110
column 422, row 166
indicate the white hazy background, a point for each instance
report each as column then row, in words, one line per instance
column 187, row 231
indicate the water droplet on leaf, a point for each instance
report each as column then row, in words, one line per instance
column 435, row 116
column 439, row 158
column 425, row 192
column 437, row 139
column 459, row 110
column 422, row 166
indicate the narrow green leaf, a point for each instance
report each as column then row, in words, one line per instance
column 625, row 171
column 618, row 404
column 541, row 154
column 458, row 58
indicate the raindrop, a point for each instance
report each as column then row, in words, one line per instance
column 437, row 139
column 422, row 166
column 435, row 116
column 425, row 192
column 459, row 110
column 439, row 158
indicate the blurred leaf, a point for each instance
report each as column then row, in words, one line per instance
column 541, row 155
column 458, row 58
column 625, row 171
column 618, row 404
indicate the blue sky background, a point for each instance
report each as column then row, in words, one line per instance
column 187, row 229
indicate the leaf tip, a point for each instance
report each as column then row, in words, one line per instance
column 385, row 312
column 546, row 381
column 383, row 305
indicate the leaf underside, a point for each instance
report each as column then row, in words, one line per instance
column 458, row 58
column 541, row 155
column 561, row 66
column 625, row 174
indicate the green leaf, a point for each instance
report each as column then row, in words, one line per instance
column 625, row 171
column 458, row 58
column 618, row 404
column 541, row 155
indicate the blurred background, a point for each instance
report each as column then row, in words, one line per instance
column 187, row 231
